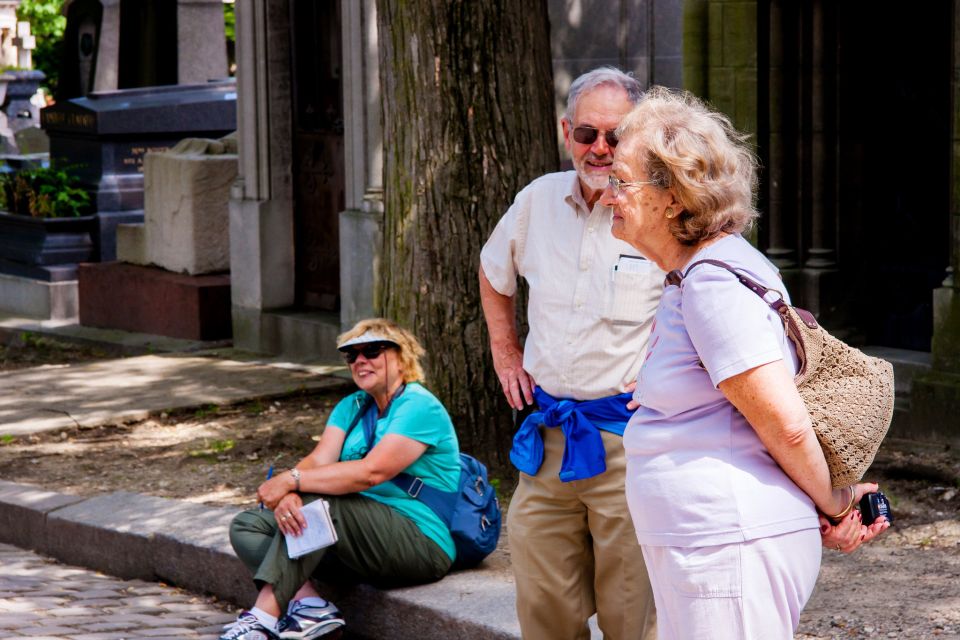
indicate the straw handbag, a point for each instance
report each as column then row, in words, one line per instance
column 848, row 394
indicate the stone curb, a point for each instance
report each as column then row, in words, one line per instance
column 136, row 536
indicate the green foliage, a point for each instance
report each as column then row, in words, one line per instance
column 230, row 21
column 230, row 31
column 205, row 411
column 44, row 192
column 212, row 449
column 7, row 438
column 47, row 24
column 255, row 408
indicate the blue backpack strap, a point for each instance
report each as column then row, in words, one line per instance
column 368, row 416
column 364, row 413
column 440, row 502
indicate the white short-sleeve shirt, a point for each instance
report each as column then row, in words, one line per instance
column 592, row 297
column 697, row 473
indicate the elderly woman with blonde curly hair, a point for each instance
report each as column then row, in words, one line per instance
column 727, row 486
column 386, row 536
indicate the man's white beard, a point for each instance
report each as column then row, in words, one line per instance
column 593, row 181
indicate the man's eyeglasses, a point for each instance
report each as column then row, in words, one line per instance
column 369, row 351
column 616, row 184
column 588, row 135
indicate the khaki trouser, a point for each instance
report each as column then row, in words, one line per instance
column 376, row 545
column 574, row 551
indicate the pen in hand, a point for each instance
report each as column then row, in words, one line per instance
column 269, row 475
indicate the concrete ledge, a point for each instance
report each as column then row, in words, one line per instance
column 132, row 535
column 38, row 298
column 25, row 510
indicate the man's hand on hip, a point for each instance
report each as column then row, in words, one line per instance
column 501, row 317
column 516, row 382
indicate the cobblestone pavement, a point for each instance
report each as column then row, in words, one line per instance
column 43, row 599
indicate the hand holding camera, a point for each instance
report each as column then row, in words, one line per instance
column 860, row 522
column 874, row 505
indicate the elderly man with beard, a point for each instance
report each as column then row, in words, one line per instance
column 592, row 299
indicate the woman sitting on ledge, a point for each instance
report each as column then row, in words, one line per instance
column 386, row 537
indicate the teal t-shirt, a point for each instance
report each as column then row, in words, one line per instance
column 415, row 414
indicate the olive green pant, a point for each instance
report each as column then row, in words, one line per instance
column 376, row 545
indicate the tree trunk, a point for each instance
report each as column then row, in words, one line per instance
column 469, row 120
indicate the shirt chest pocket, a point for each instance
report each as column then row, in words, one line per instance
column 634, row 291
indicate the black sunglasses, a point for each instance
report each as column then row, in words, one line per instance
column 370, row 351
column 588, row 135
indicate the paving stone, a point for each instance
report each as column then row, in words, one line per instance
column 45, row 630
column 165, row 631
column 95, row 607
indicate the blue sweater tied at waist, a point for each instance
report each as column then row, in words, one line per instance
column 581, row 421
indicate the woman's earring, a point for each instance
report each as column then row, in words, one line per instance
column 669, row 212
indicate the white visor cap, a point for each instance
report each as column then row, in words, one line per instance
column 365, row 338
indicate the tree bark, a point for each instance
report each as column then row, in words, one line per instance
column 469, row 120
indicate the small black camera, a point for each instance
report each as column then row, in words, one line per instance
column 874, row 505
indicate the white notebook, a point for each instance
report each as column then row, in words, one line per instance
column 319, row 532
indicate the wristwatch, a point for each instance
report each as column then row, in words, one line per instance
column 295, row 474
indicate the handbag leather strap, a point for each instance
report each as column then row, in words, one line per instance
column 777, row 303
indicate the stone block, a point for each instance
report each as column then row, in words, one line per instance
column 132, row 243
column 715, row 34
column 934, row 407
column 136, row 536
column 362, row 231
column 33, row 298
column 945, row 345
column 105, row 237
column 98, row 533
column 186, row 211
column 720, row 87
column 469, row 605
column 24, row 509
column 261, row 249
column 115, row 295
column 745, row 97
column 202, row 50
column 305, row 335
column 740, row 34
column 191, row 547
column 667, row 27
column 695, row 45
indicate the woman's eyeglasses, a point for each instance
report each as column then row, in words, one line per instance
column 616, row 184
column 369, row 351
column 588, row 135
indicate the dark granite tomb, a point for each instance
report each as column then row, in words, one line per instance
column 106, row 135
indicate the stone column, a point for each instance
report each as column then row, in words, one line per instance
column 820, row 277
column 821, row 253
column 361, row 224
column 261, row 204
column 202, row 44
column 781, row 250
column 935, row 395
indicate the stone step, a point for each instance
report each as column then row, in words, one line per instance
column 41, row 299
column 303, row 335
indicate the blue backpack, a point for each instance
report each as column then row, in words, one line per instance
column 472, row 512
